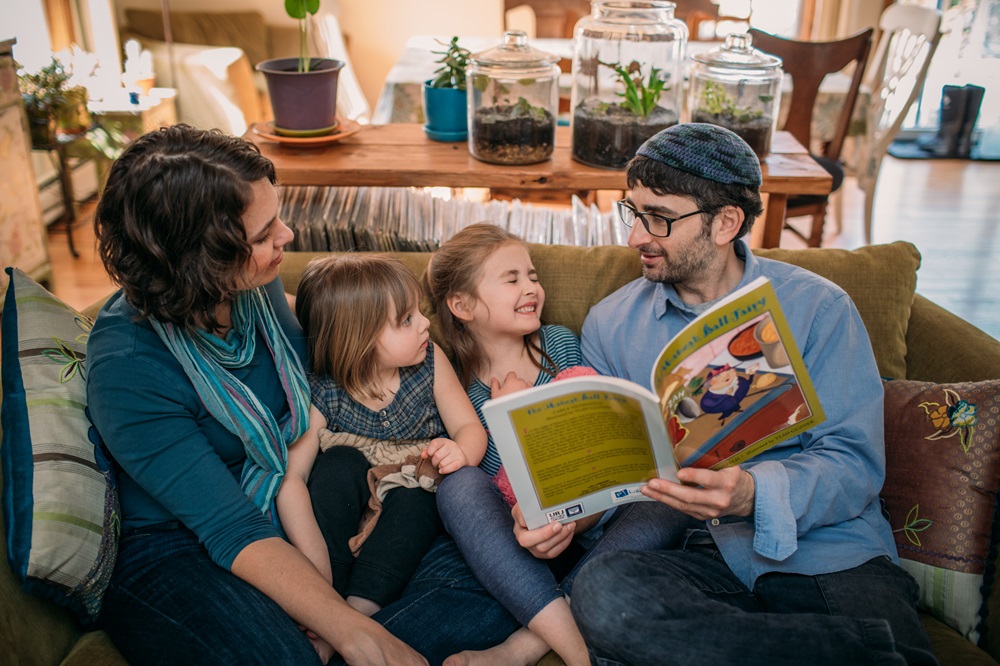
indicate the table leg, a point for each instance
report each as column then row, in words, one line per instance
column 774, row 220
column 69, row 203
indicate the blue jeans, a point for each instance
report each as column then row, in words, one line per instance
column 445, row 610
column 476, row 515
column 168, row 603
column 642, row 607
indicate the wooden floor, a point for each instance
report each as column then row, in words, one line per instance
column 949, row 209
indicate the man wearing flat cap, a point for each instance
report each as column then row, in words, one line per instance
column 787, row 558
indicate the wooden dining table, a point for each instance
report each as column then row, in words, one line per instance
column 401, row 155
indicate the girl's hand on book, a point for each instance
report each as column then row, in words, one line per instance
column 545, row 542
column 705, row 494
column 445, row 454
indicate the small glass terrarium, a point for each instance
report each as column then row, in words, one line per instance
column 513, row 102
column 738, row 87
column 627, row 78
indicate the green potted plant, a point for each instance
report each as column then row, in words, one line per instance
column 607, row 134
column 54, row 105
column 445, row 102
column 303, row 90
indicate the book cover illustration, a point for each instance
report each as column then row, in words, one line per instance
column 734, row 384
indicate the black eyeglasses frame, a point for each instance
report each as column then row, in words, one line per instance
column 641, row 215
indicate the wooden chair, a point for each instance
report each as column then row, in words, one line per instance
column 808, row 63
column 696, row 12
column 553, row 18
column 909, row 35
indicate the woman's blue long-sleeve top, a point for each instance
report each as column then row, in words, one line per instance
column 177, row 462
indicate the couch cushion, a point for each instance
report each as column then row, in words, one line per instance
column 245, row 30
column 942, row 454
column 59, row 503
column 881, row 280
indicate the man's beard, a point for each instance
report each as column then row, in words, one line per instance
column 683, row 263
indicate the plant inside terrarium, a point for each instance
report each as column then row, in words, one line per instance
column 717, row 102
column 641, row 94
column 512, row 133
column 607, row 133
column 453, row 62
column 718, row 107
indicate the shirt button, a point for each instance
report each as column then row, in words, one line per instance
column 392, row 438
column 715, row 522
column 385, row 424
column 382, row 412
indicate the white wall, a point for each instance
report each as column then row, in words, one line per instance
column 376, row 30
column 25, row 21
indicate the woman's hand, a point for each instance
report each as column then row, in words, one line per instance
column 323, row 649
column 377, row 647
column 445, row 454
column 545, row 542
column 511, row 384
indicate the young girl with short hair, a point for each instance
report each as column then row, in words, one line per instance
column 375, row 375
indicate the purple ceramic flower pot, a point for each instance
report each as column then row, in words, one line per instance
column 302, row 101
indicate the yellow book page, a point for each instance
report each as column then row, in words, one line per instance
column 583, row 443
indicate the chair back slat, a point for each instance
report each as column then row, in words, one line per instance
column 908, row 37
column 808, row 63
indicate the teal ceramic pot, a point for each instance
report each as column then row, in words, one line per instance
column 302, row 101
column 446, row 111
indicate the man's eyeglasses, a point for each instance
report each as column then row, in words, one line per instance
column 656, row 224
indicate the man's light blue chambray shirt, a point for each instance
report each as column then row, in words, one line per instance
column 817, row 507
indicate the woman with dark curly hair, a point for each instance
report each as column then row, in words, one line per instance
column 196, row 385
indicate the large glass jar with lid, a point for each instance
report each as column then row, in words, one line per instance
column 513, row 101
column 627, row 78
column 738, row 87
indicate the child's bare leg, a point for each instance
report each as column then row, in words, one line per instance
column 555, row 625
column 362, row 605
column 522, row 648
column 552, row 628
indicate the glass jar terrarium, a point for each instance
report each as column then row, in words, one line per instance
column 627, row 78
column 738, row 87
column 513, row 101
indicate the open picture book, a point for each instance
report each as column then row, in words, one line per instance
column 731, row 384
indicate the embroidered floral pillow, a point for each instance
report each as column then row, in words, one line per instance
column 942, row 449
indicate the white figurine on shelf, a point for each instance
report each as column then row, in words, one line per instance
column 138, row 76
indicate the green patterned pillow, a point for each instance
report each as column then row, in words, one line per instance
column 59, row 500
column 942, row 450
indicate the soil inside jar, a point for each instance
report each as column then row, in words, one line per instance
column 756, row 132
column 607, row 135
column 513, row 134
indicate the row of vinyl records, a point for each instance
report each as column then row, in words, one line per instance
column 407, row 219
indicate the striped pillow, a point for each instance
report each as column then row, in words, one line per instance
column 60, row 506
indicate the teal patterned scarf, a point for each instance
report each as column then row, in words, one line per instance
column 206, row 360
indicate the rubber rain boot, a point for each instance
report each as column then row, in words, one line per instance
column 945, row 142
column 973, row 102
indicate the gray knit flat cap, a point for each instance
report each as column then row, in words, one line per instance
column 707, row 151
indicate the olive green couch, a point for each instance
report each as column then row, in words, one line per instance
column 912, row 337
